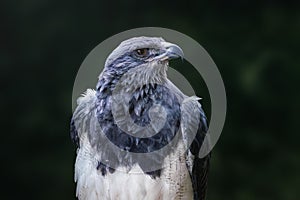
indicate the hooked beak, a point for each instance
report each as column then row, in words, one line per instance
column 172, row 51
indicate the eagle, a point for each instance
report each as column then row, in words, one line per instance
column 137, row 135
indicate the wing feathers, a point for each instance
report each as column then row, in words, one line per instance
column 194, row 127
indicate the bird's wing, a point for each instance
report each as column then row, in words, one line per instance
column 85, row 133
column 85, row 111
column 194, row 127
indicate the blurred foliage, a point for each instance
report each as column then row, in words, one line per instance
column 254, row 44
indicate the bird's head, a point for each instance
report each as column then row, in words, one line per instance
column 149, row 55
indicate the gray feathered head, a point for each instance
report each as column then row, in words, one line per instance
column 144, row 51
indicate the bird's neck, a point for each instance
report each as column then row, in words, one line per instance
column 152, row 73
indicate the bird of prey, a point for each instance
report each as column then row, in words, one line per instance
column 122, row 129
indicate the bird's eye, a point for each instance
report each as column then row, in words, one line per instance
column 142, row 52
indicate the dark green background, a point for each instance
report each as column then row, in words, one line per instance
column 255, row 44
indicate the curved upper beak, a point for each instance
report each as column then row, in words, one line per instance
column 172, row 51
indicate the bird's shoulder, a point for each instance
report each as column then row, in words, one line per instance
column 86, row 106
column 194, row 119
column 194, row 128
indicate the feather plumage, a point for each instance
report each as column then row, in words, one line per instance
column 181, row 173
